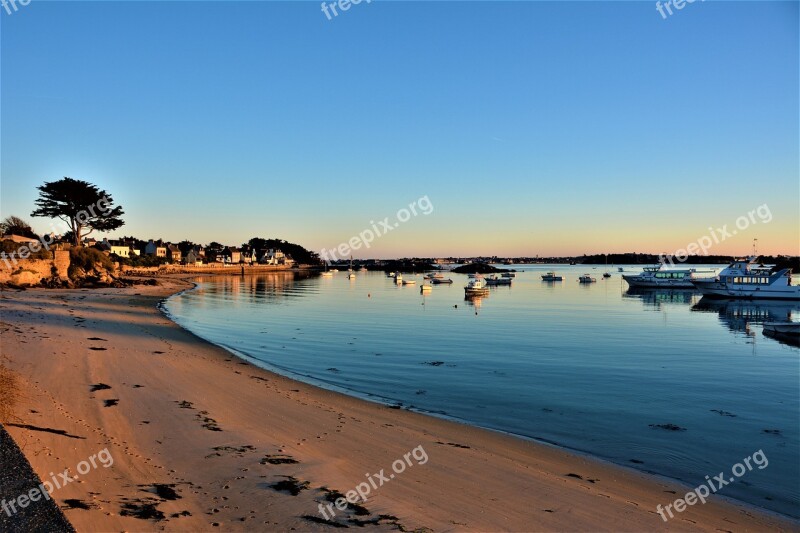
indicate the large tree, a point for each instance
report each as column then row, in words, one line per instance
column 16, row 226
column 79, row 204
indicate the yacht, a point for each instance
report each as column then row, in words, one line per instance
column 746, row 278
column 494, row 280
column 586, row 278
column 661, row 277
column 551, row 276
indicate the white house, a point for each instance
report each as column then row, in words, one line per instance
column 274, row 256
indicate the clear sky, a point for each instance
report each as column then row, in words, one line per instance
column 532, row 127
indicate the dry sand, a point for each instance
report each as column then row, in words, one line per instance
column 221, row 433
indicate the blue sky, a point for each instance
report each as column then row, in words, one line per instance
column 532, row 127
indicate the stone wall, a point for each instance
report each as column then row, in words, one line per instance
column 32, row 271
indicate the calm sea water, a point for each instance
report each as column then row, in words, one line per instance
column 589, row 367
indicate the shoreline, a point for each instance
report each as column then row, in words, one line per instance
column 178, row 422
column 390, row 403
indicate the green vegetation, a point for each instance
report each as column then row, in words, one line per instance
column 83, row 205
column 87, row 260
column 16, row 226
column 300, row 255
column 12, row 248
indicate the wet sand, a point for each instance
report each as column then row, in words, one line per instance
column 200, row 439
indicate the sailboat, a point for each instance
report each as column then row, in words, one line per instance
column 350, row 273
column 607, row 274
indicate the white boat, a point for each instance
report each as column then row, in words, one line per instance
column 746, row 278
column 586, row 278
column 409, row 281
column 476, row 287
column 786, row 332
column 351, row 275
column 661, row 277
column 425, row 288
column 434, row 275
column 327, row 274
column 494, row 280
column 398, row 278
column 551, row 276
column 390, row 275
column 786, row 328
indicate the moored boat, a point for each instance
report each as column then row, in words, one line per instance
column 440, row 281
column 786, row 332
column 661, row 277
column 786, row 327
column 552, row 276
column 586, row 278
column 746, row 278
column 494, row 280
column 476, row 287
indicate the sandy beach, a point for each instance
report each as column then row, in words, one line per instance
column 202, row 440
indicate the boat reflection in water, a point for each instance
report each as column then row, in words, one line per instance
column 653, row 299
column 475, row 301
column 740, row 315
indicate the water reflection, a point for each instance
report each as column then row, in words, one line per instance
column 739, row 315
column 270, row 289
column 475, row 301
column 653, row 299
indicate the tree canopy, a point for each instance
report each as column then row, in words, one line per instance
column 80, row 204
column 16, row 226
column 295, row 251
